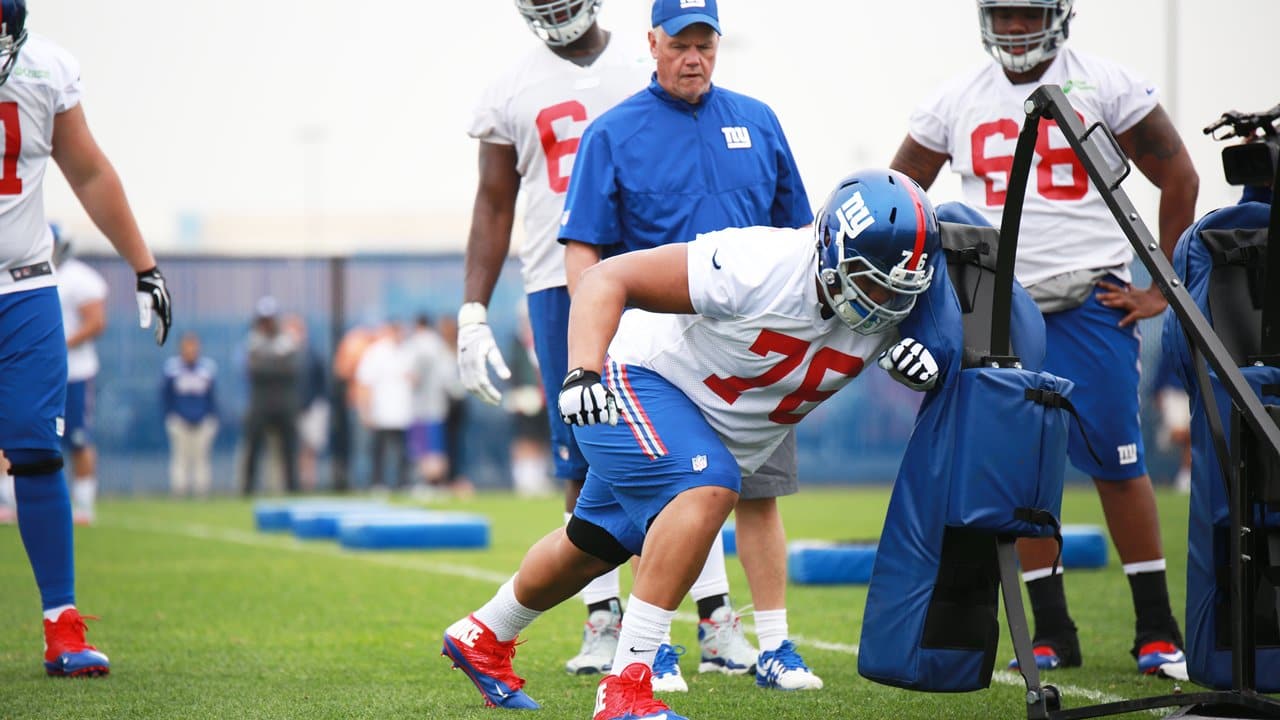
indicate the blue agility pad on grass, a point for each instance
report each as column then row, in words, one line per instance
column 278, row 515
column 817, row 562
column 1083, row 547
column 729, row 536
column 319, row 520
column 413, row 530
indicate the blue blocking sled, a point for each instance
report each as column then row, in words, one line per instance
column 931, row 619
column 1221, row 261
column 986, row 459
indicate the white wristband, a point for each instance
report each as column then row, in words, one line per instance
column 472, row 313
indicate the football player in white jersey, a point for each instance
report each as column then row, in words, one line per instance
column 82, row 292
column 42, row 117
column 1073, row 259
column 732, row 339
column 529, row 122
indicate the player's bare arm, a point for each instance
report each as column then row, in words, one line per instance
column 578, row 256
column 96, row 184
column 93, row 320
column 1156, row 148
column 918, row 162
column 656, row 280
column 492, row 217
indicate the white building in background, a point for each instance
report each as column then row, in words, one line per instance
column 294, row 127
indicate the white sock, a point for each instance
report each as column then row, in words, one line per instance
column 1032, row 575
column 52, row 613
column 643, row 629
column 84, row 490
column 713, row 580
column 6, row 490
column 504, row 615
column 1144, row 566
column 771, row 628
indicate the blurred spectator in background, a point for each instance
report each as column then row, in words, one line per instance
column 275, row 368
column 1174, row 433
column 456, row 416
column 384, row 381
column 526, row 401
column 431, row 375
column 313, row 417
column 190, row 418
column 83, row 294
column 8, row 504
column 342, row 400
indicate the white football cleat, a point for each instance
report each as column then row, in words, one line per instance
column 783, row 669
column 599, row 643
column 666, row 669
column 724, row 646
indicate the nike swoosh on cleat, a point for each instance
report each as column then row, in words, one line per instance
column 644, row 651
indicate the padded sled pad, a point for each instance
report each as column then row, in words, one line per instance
column 1083, row 546
column 729, row 535
column 815, row 562
column 413, row 530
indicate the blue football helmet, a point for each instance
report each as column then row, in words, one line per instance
column 559, row 22
column 13, row 33
column 1038, row 46
column 874, row 234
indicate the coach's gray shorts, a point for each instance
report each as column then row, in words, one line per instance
column 778, row 475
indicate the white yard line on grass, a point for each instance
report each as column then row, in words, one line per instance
column 292, row 544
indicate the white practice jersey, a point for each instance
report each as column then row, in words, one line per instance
column 758, row 356
column 976, row 119
column 541, row 106
column 79, row 284
column 45, row 81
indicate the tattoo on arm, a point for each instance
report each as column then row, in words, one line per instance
column 1155, row 137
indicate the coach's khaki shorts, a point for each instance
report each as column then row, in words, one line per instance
column 778, row 475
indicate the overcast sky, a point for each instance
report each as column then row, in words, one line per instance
column 245, row 123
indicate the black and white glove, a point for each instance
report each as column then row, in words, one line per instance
column 584, row 400
column 477, row 351
column 911, row 364
column 153, row 298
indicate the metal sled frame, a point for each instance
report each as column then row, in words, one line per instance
column 1258, row 434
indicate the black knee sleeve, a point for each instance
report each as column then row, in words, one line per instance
column 595, row 540
column 33, row 462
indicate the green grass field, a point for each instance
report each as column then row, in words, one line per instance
column 203, row 617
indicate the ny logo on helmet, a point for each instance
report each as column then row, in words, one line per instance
column 855, row 216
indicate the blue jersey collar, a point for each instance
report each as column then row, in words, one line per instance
column 676, row 102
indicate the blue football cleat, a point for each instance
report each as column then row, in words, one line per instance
column 476, row 651
column 1163, row 659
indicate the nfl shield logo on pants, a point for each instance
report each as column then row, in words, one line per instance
column 699, row 463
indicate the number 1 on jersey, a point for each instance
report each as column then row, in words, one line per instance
column 10, row 183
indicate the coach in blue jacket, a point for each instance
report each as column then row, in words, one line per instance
column 680, row 158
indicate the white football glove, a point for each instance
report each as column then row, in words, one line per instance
column 584, row 400
column 477, row 350
column 911, row 364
